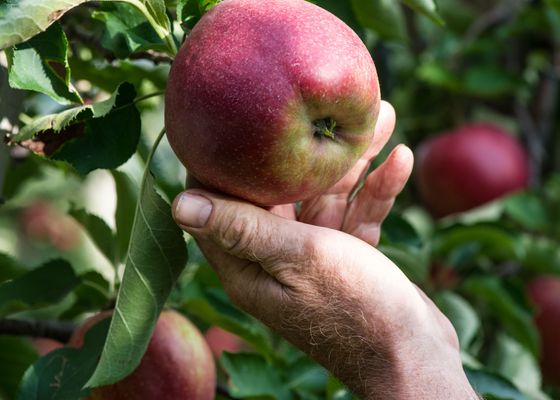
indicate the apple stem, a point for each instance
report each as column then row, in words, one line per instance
column 325, row 127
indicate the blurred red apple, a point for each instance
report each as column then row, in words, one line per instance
column 468, row 167
column 178, row 363
column 545, row 294
column 271, row 101
column 443, row 276
column 220, row 340
column 45, row 346
column 42, row 221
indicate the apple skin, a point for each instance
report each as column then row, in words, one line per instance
column 468, row 167
column 544, row 292
column 220, row 340
column 178, row 364
column 249, row 88
column 42, row 221
column 45, row 345
column 443, row 277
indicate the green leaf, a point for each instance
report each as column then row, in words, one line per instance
column 427, row 8
column 490, row 81
column 41, row 65
column 515, row 363
column 490, row 384
column 385, row 17
column 20, row 20
column 99, row 232
column 461, row 314
column 156, row 256
column 542, row 255
column 101, row 135
column 127, row 194
column 61, row 374
column 412, row 261
column 43, row 286
column 156, row 14
column 108, row 76
column 491, row 240
column 213, row 307
column 306, row 376
column 16, row 355
column 251, row 376
column 337, row 391
column 126, row 30
column 517, row 320
column 439, row 75
column 396, row 229
column 9, row 268
column 528, row 210
column 92, row 294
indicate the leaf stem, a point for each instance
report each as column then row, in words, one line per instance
column 151, row 155
column 163, row 33
column 148, row 96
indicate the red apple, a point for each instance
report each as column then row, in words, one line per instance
column 443, row 277
column 42, row 221
column 178, row 364
column 468, row 167
column 44, row 345
column 545, row 294
column 271, row 101
column 220, row 340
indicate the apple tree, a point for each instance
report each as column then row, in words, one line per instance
column 87, row 176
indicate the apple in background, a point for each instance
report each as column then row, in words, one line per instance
column 178, row 363
column 544, row 292
column 220, row 340
column 271, row 101
column 443, row 277
column 44, row 345
column 42, row 221
column 468, row 167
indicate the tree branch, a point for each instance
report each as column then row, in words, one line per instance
column 502, row 12
column 57, row 330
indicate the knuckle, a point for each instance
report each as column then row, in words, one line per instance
column 238, row 234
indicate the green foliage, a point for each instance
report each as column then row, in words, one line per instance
column 251, row 376
column 126, row 30
column 35, row 289
column 16, row 355
column 41, row 64
column 156, row 257
column 21, row 20
column 62, row 373
column 101, row 135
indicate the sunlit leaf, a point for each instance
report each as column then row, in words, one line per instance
column 41, row 65
column 100, row 135
column 157, row 254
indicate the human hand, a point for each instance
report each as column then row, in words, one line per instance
column 315, row 279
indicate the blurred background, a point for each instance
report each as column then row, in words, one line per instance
column 476, row 88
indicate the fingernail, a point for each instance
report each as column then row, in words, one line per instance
column 193, row 210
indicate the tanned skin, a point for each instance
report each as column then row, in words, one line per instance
column 316, row 278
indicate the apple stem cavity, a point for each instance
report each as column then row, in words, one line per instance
column 324, row 128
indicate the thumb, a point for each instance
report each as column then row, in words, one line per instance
column 240, row 228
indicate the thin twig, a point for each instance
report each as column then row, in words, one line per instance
column 57, row 330
column 502, row 12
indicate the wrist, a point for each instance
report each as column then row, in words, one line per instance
column 428, row 361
